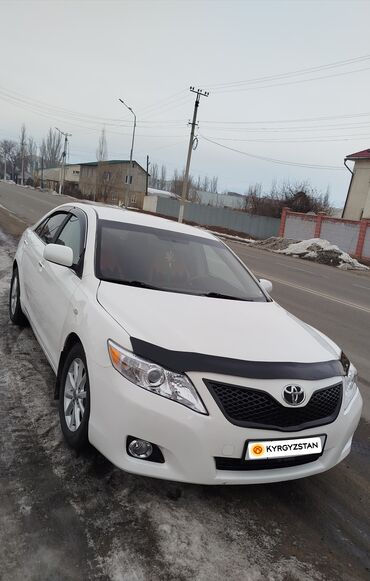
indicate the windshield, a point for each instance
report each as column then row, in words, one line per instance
column 171, row 261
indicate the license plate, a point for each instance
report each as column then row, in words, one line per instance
column 266, row 449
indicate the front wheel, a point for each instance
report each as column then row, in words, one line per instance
column 15, row 309
column 74, row 398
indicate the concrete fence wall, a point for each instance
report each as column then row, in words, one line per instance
column 256, row 226
column 352, row 236
column 299, row 228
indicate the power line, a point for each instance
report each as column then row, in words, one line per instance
column 17, row 97
column 90, row 126
column 296, row 120
column 288, row 74
column 161, row 102
column 272, row 160
column 37, row 106
column 291, row 130
column 295, row 82
column 319, row 139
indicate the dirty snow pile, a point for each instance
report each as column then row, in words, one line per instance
column 322, row 251
column 274, row 243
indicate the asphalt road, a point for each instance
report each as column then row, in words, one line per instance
column 28, row 204
column 74, row 518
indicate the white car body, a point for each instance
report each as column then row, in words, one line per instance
column 59, row 304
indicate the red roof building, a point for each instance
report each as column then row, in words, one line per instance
column 364, row 154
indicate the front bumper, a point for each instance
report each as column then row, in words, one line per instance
column 190, row 441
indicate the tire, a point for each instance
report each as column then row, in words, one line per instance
column 15, row 309
column 74, row 398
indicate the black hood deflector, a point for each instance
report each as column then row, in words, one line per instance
column 183, row 361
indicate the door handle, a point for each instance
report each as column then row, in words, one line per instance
column 25, row 242
column 41, row 264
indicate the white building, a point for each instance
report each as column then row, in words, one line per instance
column 357, row 204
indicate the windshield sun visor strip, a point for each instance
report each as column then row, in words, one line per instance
column 182, row 361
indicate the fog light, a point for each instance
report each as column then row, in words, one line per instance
column 140, row 449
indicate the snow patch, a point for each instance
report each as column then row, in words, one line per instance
column 197, row 549
column 322, row 251
column 229, row 236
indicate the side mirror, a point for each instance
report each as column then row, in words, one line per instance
column 266, row 284
column 58, row 254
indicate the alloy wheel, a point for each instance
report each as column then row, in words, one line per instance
column 14, row 294
column 75, row 394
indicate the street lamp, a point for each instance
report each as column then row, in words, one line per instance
column 132, row 143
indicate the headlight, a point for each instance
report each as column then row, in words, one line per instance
column 154, row 378
column 350, row 385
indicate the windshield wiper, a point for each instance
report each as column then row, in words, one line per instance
column 137, row 283
column 141, row 284
column 222, row 296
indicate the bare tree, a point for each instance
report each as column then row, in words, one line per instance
column 162, row 179
column 298, row 196
column 205, row 184
column 214, row 185
column 51, row 148
column 102, row 149
column 154, row 175
column 7, row 147
column 193, row 195
column 105, row 184
column 14, row 162
column 23, row 150
column 176, row 183
column 32, row 154
column 252, row 198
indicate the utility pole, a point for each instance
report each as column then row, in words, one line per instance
column 64, row 155
column 147, row 175
column 132, row 148
column 200, row 93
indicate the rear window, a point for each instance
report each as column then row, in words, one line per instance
column 171, row 261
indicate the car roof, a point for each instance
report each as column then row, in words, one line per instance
column 117, row 214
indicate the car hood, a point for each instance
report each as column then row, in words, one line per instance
column 252, row 331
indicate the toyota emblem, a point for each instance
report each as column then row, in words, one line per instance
column 294, row 394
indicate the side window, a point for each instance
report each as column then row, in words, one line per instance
column 48, row 229
column 71, row 236
column 39, row 228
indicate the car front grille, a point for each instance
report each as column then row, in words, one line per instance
column 240, row 464
column 254, row 408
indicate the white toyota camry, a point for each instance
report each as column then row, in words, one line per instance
column 170, row 356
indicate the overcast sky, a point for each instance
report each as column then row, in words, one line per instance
column 80, row 56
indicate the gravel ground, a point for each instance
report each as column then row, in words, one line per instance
column 67, row 517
